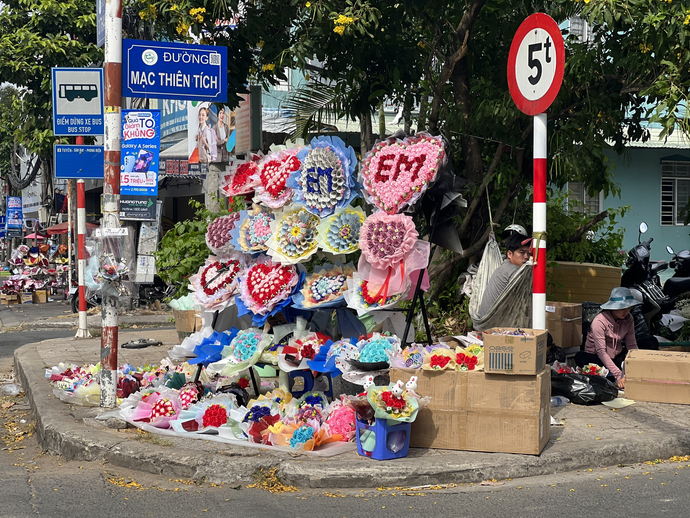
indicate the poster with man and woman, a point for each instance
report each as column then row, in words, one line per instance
column 210, row 134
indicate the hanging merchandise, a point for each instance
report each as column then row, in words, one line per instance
column 396, row 172
column 293, row 237
column 325, row 287
column 274, row 170
column 216, row 282
column 339, row 233
column 325, row 180
column 253, row 231
column 218, row 238
column 240, row 179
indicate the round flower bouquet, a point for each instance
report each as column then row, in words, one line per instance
column 257, row 421
column 253, row 231
column 274, row 171
column 339, row 233
column 325, row 180
column 470, row 358
column 325, row 287
column 294, row 237
column 389, row 405
column 241, row 353
column 396, row 172
column 386, row 239
column 216, row 282
column 266, row 284
column 364, row 297
column 341, row 420
column 241, row 177
column 218, row 238
column 158, row 408
column 294, row 356
column 211, row 413
column 593, row 369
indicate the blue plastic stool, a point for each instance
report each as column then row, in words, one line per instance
column 309, row 380
column 385, row 432
column 321, row 379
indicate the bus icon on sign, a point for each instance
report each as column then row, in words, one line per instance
column 72, row 92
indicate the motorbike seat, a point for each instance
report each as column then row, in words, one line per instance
column 676, row 285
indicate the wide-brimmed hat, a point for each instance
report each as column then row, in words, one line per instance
column 621, row 298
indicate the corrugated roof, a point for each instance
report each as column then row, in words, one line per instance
column 678, row 140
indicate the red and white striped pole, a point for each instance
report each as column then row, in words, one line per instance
column 83, row 331
column 111, row 189
column 539, row 224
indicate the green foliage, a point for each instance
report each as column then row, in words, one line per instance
column 182, row 250
column 602, row 244
column 36, row 35
column 8, row 95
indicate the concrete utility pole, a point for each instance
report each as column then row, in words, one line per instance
column 111, row 189
column 83, row 331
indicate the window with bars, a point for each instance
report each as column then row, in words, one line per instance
column 580, row 201
column 675, row 191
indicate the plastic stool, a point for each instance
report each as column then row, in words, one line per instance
column 307, row 382
column 386, row 432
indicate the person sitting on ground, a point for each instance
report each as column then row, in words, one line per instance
column 516, row 241
column 604, row 344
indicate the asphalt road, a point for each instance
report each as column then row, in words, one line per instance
column 11, row 341
column 39, row 484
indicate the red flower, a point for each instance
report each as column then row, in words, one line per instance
column 307, row 351
column 371, row 300
column 243, row 383
column 215, row 415
column 460, row 358
column 438, row 361
column 393, row 401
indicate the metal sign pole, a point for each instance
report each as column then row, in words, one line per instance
column 83, row 331
column 69, row 235
column 111, row 189
column 539, row 224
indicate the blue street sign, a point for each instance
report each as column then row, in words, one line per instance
column 174, row 71
column 100, row 23
column 141, row 142
column 3, row 224
column 78, row 162
column 77, row 101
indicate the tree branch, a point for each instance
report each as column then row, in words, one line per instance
column 583, row 229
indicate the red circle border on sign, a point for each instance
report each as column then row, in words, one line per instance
column 545, row 22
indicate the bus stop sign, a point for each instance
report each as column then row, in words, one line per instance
column 77, row 101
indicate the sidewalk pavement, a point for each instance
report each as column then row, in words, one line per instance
column 59, row 316
column 594, row 436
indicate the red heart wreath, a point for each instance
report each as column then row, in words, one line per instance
column 266, row 283
column 212, row 281
column 275, row 173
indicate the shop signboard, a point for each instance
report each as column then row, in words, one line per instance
column 100, row 23
column 15, row 216
column 77, row 101
column 140, row 148
column 167, row 70
column 79, row 161
column 137, row 208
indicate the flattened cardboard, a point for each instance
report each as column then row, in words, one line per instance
column 564, row 322
column 512, row 354
column 185, row 320
column 658, row 376
column 475, row 411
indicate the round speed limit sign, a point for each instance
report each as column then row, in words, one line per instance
column 535, row 64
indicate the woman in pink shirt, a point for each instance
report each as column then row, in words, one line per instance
column 604, row 344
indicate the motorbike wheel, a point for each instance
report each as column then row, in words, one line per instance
column 74, row 303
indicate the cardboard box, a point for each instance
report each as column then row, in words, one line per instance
column 476, row 411
column 658, row 376
column 514, row 354
column 564, row 322
column 26, row 297
column 40, row 297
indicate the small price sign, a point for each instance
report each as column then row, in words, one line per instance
column 535, row 64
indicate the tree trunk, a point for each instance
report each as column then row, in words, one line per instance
column 471, row 150
column 366, row 132
column 211, row 188
column 423, row 106
column 407, row 115
column 382, row 122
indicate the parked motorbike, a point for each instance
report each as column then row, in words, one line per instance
column 679, row 284
column 642, row 277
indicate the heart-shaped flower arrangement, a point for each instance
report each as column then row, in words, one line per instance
column 253, row 231
column 218, row 238
column 397, row 172
column 386, row 239
column 240, row 179
column 216, row 281
column 265, row 284
column 272, row 177
column 325, row 181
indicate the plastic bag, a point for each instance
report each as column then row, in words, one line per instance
column 582, row 389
